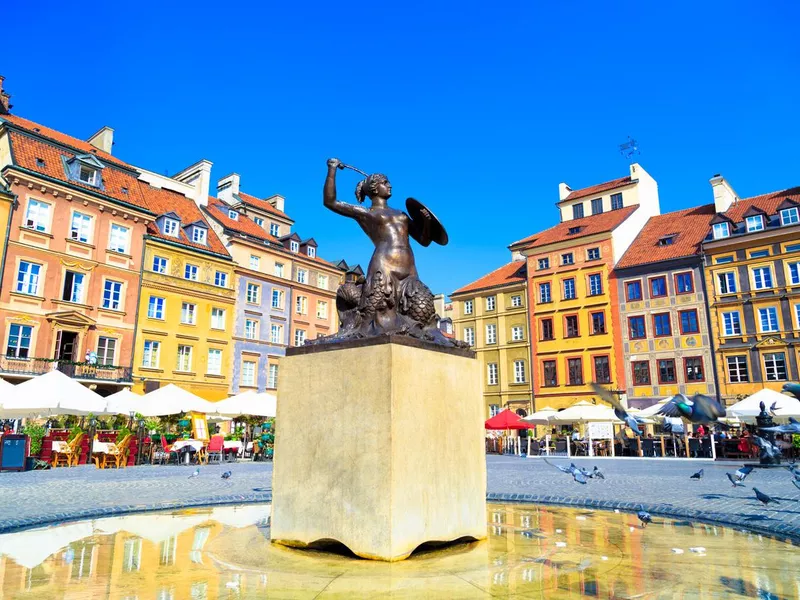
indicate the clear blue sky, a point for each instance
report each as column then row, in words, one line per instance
column 479, row 109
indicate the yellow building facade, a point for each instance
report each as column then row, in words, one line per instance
column 491, row 315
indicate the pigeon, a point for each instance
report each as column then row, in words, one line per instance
column 768, row 449
column 579, row 477
column 796, row 483
column 195, row 473
column 584, row 472
column 559, row 467
column 597, row 473
column 700, row 409
column 644, row 517
column 619, row 410
column 792, row 427
column 734, row 480
column 227, row 475
column 698, row 475
column 763, row 498
column 793, row 389
column 741, row 474
column 577, row 474
column 773, row 407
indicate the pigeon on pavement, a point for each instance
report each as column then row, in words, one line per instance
column 644, row 517
column 195, row 473
column 763, row 498
column 577, row 474
column 793, row 389
column 597, row 473
column 227, row 475
column 700, row 409
column 698, row 475
column 619, row 410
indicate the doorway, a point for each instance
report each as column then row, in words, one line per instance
column 66, row 345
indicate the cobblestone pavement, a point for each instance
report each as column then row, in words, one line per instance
column 659, row 486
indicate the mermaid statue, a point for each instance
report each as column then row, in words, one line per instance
column 391, row 299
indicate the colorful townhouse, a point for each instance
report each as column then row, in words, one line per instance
column 664, row 328
column 752, row 268
column 572, row 304
column 490, row 314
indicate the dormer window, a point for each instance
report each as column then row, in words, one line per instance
column 755, row 223
column 574, row 230
column 170, row 227
column 790, row 216
column 274, row 229
column 667, row 240
column 232, row 214
column 312, row 252
column 40, row 162
column 721, row 230
column 294, row 246
column 84, row 168
column 259, row 221
column 88, row 175
column 199, row 235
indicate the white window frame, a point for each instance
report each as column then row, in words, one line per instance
column 251, row 329
column 589, row 252
column 797, row 315
column 185, row 353
column 37, row 215
column 754, row 223
column 301, row 305
column 517, row 333
column 119, row 238
column 255, row 262
column 491, row 302
column 772, row 369
column 162, row 264
column 721, row 230
column 730, row 283
column 548, row 296
column 156, row 309
column 299, row 337
column 77, row 293
column 27, row 281
column 253, row 293
column 731, row 323
column 516, row 301
column 21, row 331
column 772, row 321
column 102, row 350
column 249, row 373
column 491, row 374
column 191, row 272
column 200, row 235
column 468, row 307
column 569, row 294
column 80, row 228
column 151, row 354
column 491, row 333
column 543, row 263
column 171, row 227
column 114, row 289
column 278, row 269
column 322, row 281
column 274, row 229
column 599, row 278
column 188, row 313
column 277, row 301
column 92, row 175
column 311, row 251
column 259, row 221
column 519, row 371
column 793, row 272
column 214, row 364
column 759, row 277
column 272, row 376
column 469, row 335
column 275, row 333
column 218, row 318
column 739, row 366
column 232, row 214
column 294, row 246
column 322, row 309
column 221, row 279
column 302, row 276
column 790, row 216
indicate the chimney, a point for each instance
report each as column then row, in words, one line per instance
column 277, row 201
column 563, row 191
column 5, row 106
column 227, row 187
column 103, row 139
column 198, row 176
column 724, row 195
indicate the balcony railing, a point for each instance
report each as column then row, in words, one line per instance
column 31, row 367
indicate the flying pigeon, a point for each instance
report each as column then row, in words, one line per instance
column 700, row 409
column 227, row 475
column 577, row 474
column 792, row 427
column 734, row 480
column 559, row 467
column 644, row 517
column 793, row 389
column 768, row 449
column 763, row 498
column 597, row 473
column 741, row 474
column 619, row 410
column 698, row 475
column 584, row 472
column 195, row 473
column 773, row 407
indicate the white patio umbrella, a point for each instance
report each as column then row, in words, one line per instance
column 52, row 394
column 585, row 412
column 541, row 416
column 247, row 403
column 750, row 407
column 123, row 402
column 171, row 400
column 31, row 548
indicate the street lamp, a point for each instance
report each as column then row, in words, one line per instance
column 132, row 415
column 140, row 430
column 92, row 428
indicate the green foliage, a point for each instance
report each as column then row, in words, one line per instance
column 36, row 432
column 74, row 432
column 153, row 425
column 796, row 441
column 122, row 433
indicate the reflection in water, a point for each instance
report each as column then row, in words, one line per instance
column 531, row 552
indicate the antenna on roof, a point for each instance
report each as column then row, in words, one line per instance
column 629, row 149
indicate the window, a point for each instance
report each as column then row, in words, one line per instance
column 311, row 251
column 301, row 305
column 684, row 283
column 491, row 334
column 775, row 366
column 272, row 376
column 249, row 373
column 577, row 211
column 595, row 285
column 106, row 351
column 593, row 254
column 616, row 201
column 517, row 333
column 544, row 293
column 199, row 235
column 276, row 334
column 641, row 372
column 516, row 301
column 19, row 341
column 550, row 373
column 155, row 308
column 81, row 227
column 759, row 253
column 299, row 337
column 294, row 246
column 737, row 369
column 159, row 264
column 491, row 301
column 491, row 374
column 322, row 309
column 755, row 223
column 574, row 371
column 232, row 214
column 662, row 325
column 721, row 230
column 274, row 229
column 28, row 278
column 218, row 318
column 170, row 227
column 88, row 175
column 546, row 329
column 790, row 216
column 597, row 206
column 189, row 313
column 151, row 354
column 569, row 289
column 726, row 282
column 73, row 287
column 602, row 370
column 519, row 371
column 221, row 279
column 598, row 322
column 468, row 307
column 768, row 319
column 731, row 324
column 794, row 273
column 255, row 262
column 797, row 315
column 666, row 371
column 278, row 270
column 190, row 272
column 277, row 298
column 214, row 362
column 118, row 241
column 723, row 260
column 792, row 247
column 762, row 278
column 667, row 240
column 38, row 215
column 688, row 320
column 636, row 330
column 574, row 230
column 633, row 291
column 253, row 293
column 258, row 221
column 694, row 369
column 251, row 329
column 494, row 409
column 112, row 295
column 322, row 281
column 543, row 263
column 469, row 336
column 184, row 359
column 568, row 258
column 658, row 287
column 302, row 276
column 571, row 326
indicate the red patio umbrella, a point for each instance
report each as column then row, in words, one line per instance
column 506, row 419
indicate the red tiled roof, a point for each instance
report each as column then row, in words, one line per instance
column 262, row 204
column 600, row 188
column 513, row 272
column 593, row 224
column 766, row 202
column 27, row 149
column 244, row 224
column 691, row 226
column 161, row 201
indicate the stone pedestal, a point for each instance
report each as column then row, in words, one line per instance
column 379, row 445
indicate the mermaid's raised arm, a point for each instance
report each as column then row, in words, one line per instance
column 329, row 195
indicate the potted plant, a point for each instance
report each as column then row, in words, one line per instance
column 36, row 432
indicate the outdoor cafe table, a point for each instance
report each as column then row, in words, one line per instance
column 235, row 445
column 197, row 445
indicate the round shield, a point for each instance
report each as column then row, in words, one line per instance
column 426, row 227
